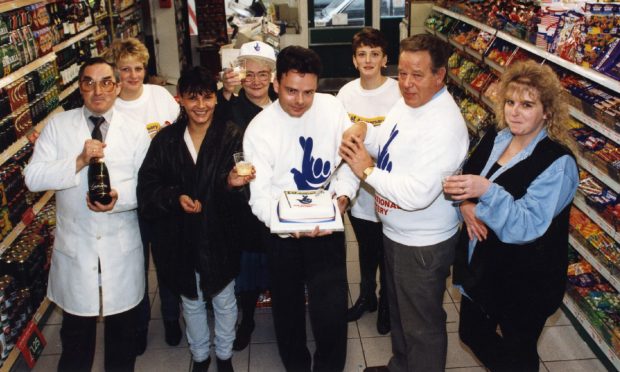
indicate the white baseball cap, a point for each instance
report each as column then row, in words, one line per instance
column 259, row 50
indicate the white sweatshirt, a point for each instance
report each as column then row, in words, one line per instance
column 296, row 153
column 370, row 106
column 412, row 147
column 156, row 108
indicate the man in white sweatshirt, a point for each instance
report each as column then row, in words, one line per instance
column 422, row 136
column 293, row 144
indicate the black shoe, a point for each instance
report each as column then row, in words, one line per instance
column 173, row 332
column 225, row 365
column 377, row 369
column 243, row 336
column 141, row 341
column 361, row 305
column 201, row 366
column 383, row 318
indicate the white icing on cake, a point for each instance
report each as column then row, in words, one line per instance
column 305, row 207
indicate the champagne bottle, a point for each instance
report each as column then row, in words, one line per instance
column 99, row 182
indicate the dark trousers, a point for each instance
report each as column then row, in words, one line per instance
column 416, row 281
column 78, row 337
column 369, row 237
column 170, row 302
column 319, row 264
column 515, row 350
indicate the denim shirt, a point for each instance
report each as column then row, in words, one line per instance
column 526, row 219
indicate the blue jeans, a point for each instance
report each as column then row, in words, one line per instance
column 197, row 328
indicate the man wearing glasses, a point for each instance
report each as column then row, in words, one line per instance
column 97, row 263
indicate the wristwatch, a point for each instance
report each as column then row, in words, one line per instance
column 367, row 172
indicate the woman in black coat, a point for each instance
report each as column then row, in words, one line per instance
column 256, row 92
column 186, row 190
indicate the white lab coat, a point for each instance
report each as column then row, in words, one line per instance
column 83, row 237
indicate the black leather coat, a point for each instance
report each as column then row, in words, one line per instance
column 240, row 110
column 183, row 243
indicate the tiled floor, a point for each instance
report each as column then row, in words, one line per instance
column 560, row 347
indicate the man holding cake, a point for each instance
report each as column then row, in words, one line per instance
column 293, row 144
column 423, row 136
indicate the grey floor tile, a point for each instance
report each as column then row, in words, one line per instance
column 458, row 354
column 265, row 357
column 355, row 356
column 367, row 325
column 46, row 363
column 55, row 316
column 452, row 317
column 98, row 362
column 156, row 336
column 377, row 350
column 466, row 369
column 353, row 331
column 353, row 252
column 171, row 359
column 156, row 307
column 241, row 360
column 349, row 233
column 151, row 263
column 562, row 343
column 558, row 319
column 354, row 291
column 353, row 272
column 52, row 337
column 152, row 278
column 263, row 332
column 454, row 292
column 590, row 365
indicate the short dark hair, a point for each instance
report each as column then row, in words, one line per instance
column 196, row 80
column 438, row 50
column 370, row 37
column 97, row 61
column 302, row 60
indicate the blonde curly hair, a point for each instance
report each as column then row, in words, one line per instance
column 541, row 82
column 127, row 48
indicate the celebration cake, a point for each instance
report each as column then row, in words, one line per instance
column 309, row 206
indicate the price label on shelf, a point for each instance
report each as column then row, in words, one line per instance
column 32, row 136
column 31, row 344
column 28, row 216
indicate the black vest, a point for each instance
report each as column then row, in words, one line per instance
column 502, row 275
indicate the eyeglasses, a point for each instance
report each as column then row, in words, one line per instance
column 261, row 76
column 106, row 86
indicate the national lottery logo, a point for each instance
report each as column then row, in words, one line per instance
column 314, row 171
column 383, row 159
column 382, row 205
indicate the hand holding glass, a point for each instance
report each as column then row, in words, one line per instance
column 238, row 65
column 445, row 174
column 244, row 167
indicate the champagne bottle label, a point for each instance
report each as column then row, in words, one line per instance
column 99, row 182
